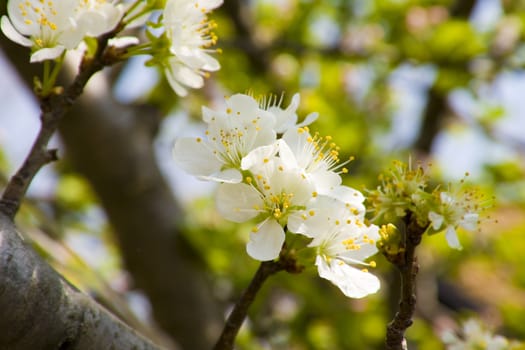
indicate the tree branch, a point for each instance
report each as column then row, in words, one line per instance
column 286, row 262
column 406, row 262
column 53, row 107
column 40, row 310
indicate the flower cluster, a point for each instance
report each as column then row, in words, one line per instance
column 275, row 171
column 405, row 190
column 51, row 27
column 179, row 42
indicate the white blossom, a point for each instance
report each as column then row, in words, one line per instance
column 474, row 337
column 343, row 241
column 454, row 211
column 51, row 27
column 271, row 194
column 232, row 133
column 190, row 37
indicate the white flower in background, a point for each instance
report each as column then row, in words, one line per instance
column 286, row 119
column 271, row 194
column 454, row 211
column 474, row 337
column 318, row 157
column 232, row 133
column 51, row 27
column 343, row 241
column 190, row 37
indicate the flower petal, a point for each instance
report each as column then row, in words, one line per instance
column 47, row 54
column 436, row 220
column 238, row 202
column 352, row 282
column 231, row 176
column 192, row 155
column 12, row 33
column 258, row 155
column 452, row 238
column 266, row 243
column 469, row 221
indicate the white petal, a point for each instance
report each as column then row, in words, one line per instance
column 258, row 155
column 175, row 85
column 211, row 4
column 238, row 202
column 310, row 118
column 211, row 64
column 194, row 157
column 436, row 220
column 187, row 76
column 244, row 104
column 452, row 238
column 232, row 176
column 266, row 243
column 12, row 33
column 123, row 41
column 47, row 54
column 325, row 181
column 352, row 282
column 469, row 221
column 287, row 155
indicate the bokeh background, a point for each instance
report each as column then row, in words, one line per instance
column 440, row 82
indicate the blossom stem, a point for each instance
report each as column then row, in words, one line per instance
column 408, row 268
column 239, row 312
column 53, row 107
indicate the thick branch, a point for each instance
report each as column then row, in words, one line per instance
column 40, row 310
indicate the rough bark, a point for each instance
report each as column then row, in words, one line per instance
column 43, row 311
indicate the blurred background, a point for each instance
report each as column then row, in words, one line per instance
column 442, row 82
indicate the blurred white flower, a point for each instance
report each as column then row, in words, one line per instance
column 474, row 337
column 51, row 27
column 190, row 37
column 454, row 211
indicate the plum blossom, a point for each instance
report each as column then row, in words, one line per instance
column 190, row 35
column 342, row 241
column 317, row 157
column 270, row 194
column 51, row 27
column 453, row 212
column 232, row 133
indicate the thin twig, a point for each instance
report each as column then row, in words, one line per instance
column 408, row 268
column 287, row 262
column 238, row 314
column 53, row 108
